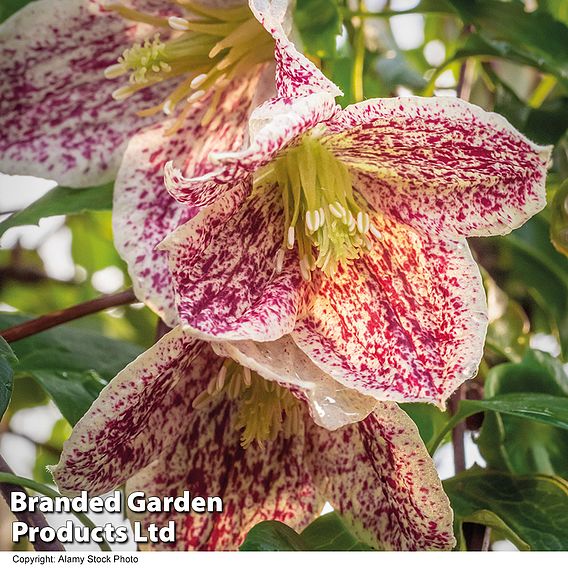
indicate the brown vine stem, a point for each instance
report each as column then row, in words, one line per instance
column 35, row 519
column 48, row 321
column 458, row 432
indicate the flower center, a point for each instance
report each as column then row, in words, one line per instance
column 208, row 48
column 321, row 212
column 265, row 408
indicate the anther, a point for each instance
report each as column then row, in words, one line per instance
column 221, row 378
column 291, row 236
column 167, row 107
column 247, row 376
column 113, row 71
column 195, row 96
column 280, row 260
column 375, row 232
column 121, row 93
column 310, row 222
column 197, row 81
column 178, row 23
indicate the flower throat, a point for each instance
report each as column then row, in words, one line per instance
column 321, row 213
column 265, row 408
column 208, row 49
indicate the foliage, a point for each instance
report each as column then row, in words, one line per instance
column 516, row 408
column 328, row 532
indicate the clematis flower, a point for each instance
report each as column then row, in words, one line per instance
column 184, row 416
column 95, row 90
column 344, row 230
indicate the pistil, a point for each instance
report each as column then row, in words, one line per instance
column 265, row 408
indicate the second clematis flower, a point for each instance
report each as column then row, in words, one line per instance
column 344, row 229
column 96, row 90
column 186, row 416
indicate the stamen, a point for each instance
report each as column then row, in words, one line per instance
column 265, row 408
column 375, row 232
column 321, row 213
column 280, row 260
column 214, row 45
column 290, row 240
column 177, row 23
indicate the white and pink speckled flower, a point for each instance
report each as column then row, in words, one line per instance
column 95, row 90
column 345, row 230
column 173, row 421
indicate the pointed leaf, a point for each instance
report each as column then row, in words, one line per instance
column 531, row 511
column 62, row 201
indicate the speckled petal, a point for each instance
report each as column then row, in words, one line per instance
column 140, row 412
column 442, row 165
column 223, row 263
column 256, row 484
column 145, row 213
column 379, row 476
column 296, row 75
column 331, row 405
column 406, row 322
column 273, row 125
column 57, row 116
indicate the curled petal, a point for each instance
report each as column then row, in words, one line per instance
column 379, row 476
column 257, row 484
column 57, row 116
column 441, row 165
column 273, row 125
column 295, row 74
column 406, row 322
column 331, row 405
column 223, row 263
column 145, row 213
column 140, row 412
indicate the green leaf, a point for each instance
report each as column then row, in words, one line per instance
column 528, row 37
column 62, row 201
column 9, row 7
column 330, row 532
column 47, row 454
column 7, row 360
column 558, row 9
column 525, row 446
column 507, row 333
column 544, row 125
column 559, row 219
column 319, row 23
column 71, row 364
column 542, row 273
column 43, row 489
column 273, row 536
column 531, row 511
column 544, row 408
column 429, row 419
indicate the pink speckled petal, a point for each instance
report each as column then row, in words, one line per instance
column 223, row 263
column 256, row 484
column 140, row 412
column 145, row 213
column 442, row 165
column 57, row 116
column 379, row 476
column 331, row 404
column 273, row 125
column 406, row 322
column 295, row 74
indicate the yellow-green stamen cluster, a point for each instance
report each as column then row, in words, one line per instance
column 322, row 216
column 207, row 49
column 265, row 408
